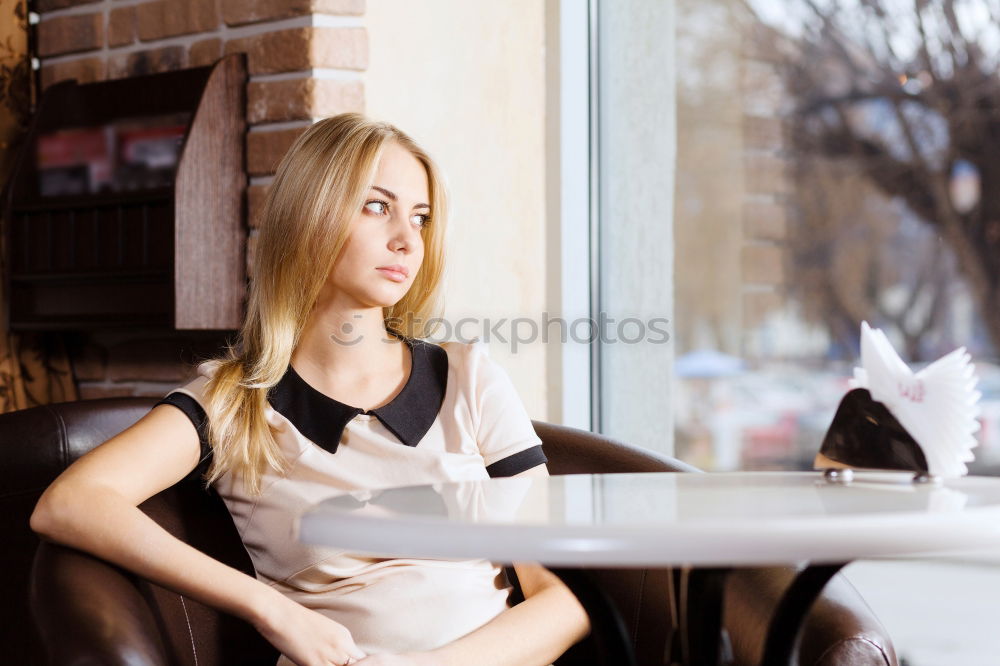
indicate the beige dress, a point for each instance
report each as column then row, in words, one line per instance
column 457, row 418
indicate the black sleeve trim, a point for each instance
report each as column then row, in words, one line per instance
column 516, row 594
column 199, row 420
column 518, row 462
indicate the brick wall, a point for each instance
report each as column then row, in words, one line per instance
column 305, row 59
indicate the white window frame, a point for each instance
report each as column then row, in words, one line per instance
column 568, row 128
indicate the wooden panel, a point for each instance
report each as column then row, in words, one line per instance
column 209, row 232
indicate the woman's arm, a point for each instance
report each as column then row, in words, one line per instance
column 93, row 506
column 533, row 633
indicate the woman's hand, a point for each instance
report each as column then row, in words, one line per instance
column 305, row 636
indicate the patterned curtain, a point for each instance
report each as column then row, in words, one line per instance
column 34, row 368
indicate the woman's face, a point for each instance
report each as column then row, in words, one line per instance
column 385, row 246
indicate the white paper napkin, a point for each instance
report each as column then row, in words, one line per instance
column 938, row 406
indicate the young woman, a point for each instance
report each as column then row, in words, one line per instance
column 330, row 388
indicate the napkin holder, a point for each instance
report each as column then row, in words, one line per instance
column 864, row 435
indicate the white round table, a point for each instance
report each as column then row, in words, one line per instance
column 739, row 518
column 714, row 521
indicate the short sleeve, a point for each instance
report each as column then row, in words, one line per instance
column 506, row 438
column 184, row 400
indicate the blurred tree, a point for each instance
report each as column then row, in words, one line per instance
column 857, row 255
column 896, row 104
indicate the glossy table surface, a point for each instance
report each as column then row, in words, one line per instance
column 742, row 518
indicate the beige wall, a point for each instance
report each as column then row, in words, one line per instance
column 467, row 80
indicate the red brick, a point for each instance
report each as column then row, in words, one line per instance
column 341, row 48
column 265, row 149
column 279, row 51
column 240, row 12
column 205, row 52
column 49, row 5
column 297, row 49
column 69, row 34
column 167, row 18
column 121, row 26
column 84, row 70
column 279, row 100
column 302, row 99
column 166, row 59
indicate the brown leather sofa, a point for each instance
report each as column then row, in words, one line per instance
column 86, row 611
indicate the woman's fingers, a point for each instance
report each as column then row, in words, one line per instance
column 308, row 638
column 344, row 643
column 354, row 655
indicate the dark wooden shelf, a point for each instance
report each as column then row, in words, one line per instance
column 101, row 200
column 102, row 277
column 137, row 252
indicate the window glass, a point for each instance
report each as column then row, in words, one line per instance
column 833, row 167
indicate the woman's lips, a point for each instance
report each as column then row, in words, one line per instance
column 395, row 276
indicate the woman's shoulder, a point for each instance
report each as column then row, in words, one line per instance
column 472, row 363
column 466, row 355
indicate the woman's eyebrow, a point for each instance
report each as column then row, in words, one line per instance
column 392, row 196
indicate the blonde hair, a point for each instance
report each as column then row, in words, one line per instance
column 318, row 188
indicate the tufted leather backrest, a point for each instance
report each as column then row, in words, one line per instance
column 35, row 446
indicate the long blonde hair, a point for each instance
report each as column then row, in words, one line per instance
column 318, row 188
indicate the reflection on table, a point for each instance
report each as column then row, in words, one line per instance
column 665, row 519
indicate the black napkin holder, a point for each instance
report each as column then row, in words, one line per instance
column 864, row 435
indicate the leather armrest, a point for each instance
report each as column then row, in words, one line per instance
column 840, row 629
column 90, row 612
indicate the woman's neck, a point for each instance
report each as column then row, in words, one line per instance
column 347, row 345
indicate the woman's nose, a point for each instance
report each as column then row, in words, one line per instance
column 404, row 235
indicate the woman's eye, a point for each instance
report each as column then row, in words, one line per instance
column 421, row 220
column 377, row 207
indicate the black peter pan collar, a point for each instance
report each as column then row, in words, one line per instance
column 408, row 416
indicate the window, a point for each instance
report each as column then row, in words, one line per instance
column 770, row 174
